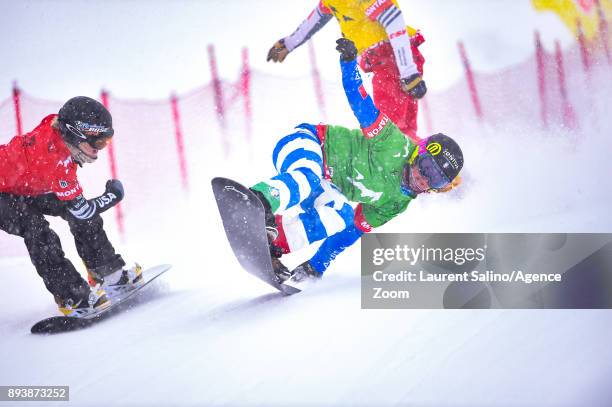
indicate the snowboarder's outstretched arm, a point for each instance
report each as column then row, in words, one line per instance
column 370, row 118
column 84, row 209
column 313, row 23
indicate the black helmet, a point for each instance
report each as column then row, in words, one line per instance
column 85, row 119
column 438, row 158
column 446, row 153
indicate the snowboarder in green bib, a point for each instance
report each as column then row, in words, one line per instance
column 325, row 168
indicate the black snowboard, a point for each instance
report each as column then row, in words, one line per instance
column 243, row 217
column 59, row 324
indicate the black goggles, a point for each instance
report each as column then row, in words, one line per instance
column 76, row 136
column 429, row 168
column 99, row 142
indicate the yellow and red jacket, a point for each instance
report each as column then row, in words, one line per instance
column 365, row 22
column 358, row 20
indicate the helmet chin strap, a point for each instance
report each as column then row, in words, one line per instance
column 79, row 156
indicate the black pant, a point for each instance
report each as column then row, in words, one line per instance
column 23, row 216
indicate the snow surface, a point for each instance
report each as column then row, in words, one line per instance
column 210, row 334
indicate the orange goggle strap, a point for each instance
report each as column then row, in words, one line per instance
column 454, row 184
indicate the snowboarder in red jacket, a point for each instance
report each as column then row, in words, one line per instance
column 38, row 176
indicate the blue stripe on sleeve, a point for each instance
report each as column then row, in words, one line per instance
column 363, row 108
column 333, row 246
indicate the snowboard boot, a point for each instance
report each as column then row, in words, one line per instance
column 119, row 281
column 301, row 273
column 282, row 273
column 271, row 226
column 84, row 302
column 95, row 275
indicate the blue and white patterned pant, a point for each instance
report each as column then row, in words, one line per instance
column 325, row 212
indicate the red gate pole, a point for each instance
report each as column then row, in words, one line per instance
column 316, row 77
column 471, row 83
column 245, row 87
column 585, row 54
column 584, row 50
column 603, row 31
column 180, row 146
column 541, row 80
column 113, row 168
column 218, row 95
column 17, row 106
column 218, row 91
column 569, row 117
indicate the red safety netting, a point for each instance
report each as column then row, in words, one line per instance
column 167, row 149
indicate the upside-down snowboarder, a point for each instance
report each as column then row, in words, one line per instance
column 325, row 169
column 38, row 176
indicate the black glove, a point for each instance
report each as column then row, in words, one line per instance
column 414, row 85
column 278, row 52
column 115, row 187
column 112, row 196
column 347, row 49
column 304, row 271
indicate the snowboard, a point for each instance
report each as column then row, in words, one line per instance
column 243, row 217
column 58, row 324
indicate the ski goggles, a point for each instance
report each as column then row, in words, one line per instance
column 429, row 168
column 74, row 135
column 99, row 142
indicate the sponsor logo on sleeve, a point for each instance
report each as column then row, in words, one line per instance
column 376, row 127
column 72, row 191
column 377, row 7
column 105, row 200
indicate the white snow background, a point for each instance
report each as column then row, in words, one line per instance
column 210, row 334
